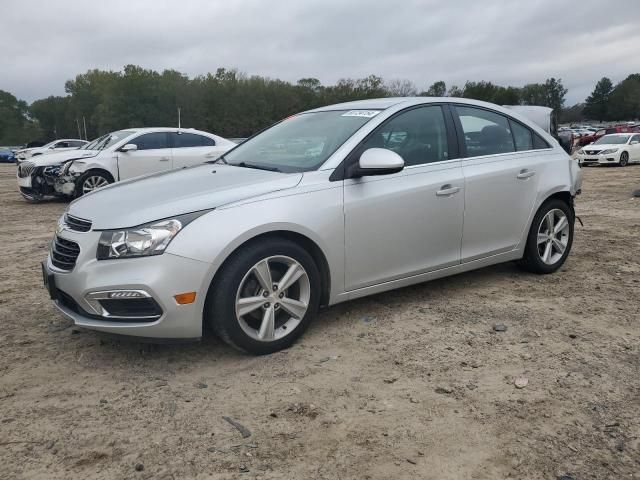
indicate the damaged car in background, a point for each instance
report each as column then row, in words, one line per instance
column 116, row 156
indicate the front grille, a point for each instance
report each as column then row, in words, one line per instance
column 591, row 152
column 77, row 224
column 64, row 253
column 25, row 169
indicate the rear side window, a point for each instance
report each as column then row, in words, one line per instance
column 485, row 132
column 522, row 136
column 539, row 143
column 151, row 141
column 185, row 140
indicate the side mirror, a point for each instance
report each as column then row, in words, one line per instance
column 129, row 147
column 378, row 161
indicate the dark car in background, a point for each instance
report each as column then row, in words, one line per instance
column 7, row 154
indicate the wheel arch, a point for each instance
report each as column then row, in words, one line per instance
column 101, row 170
column 302, row 240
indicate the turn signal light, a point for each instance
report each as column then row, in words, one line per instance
column 185, row 298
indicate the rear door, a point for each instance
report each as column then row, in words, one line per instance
column 501, row 180
column 193, row 149
column 153, row 155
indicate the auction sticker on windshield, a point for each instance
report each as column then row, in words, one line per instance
column 361, row 113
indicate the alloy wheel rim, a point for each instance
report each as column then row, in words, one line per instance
column 553, row 236
column 93, row 183
column 624, row 158
column 273, row 298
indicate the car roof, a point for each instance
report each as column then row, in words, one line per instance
column 384, row 103
column 620, row 134
column 162, row 129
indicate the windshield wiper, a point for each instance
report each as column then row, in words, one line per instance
column 219, row 160
column 257, row 167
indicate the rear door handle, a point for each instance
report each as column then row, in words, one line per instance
column 164, row 159
column 524, row 174
column 447, row 190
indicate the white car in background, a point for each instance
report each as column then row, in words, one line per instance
column 116, row 156
column 51, row 147
column 613, row 149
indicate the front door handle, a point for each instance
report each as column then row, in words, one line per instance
column 447, row 190
column 164, row 159
column 524, row 174
column 212, row 155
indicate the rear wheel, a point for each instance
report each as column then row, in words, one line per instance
column 550, row 238
column 92, row 180
column 624, row 159
column 265, row 296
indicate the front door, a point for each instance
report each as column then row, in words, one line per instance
column 153, row 155
column 410, row 222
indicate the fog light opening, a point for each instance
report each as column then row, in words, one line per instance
column 185, row 298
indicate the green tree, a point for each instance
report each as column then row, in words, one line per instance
column 624, row 101
column 597, row 104
column 437, row 89
column 16, row 127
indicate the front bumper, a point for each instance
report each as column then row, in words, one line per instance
column 65, row 184
column 599, row 159
column 161, row 276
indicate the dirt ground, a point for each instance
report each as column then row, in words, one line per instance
column 409, row 384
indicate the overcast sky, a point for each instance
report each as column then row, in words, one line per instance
column 43, row 43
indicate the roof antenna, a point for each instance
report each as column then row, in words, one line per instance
column 178, row 117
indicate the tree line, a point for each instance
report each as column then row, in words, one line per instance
column 231, row 103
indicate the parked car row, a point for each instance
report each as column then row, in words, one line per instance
column 55, row 146
column 116, row 156
column 328, row 205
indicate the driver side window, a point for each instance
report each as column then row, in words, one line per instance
column 151, row 141
column 419, row 136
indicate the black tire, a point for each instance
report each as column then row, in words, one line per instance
column 531, row 260
column 220, row 312
column 624, row 159
column 91, row 173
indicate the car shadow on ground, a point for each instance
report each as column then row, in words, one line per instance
column 210, row 348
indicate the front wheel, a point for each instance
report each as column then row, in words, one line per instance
column 550, row 238
column 265, row 296
column 92, row 180
column 624, row 159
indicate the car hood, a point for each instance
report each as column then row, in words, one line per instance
column 163, row 195
column 60, row 157
column 602, row 146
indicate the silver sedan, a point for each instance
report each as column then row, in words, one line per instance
column 325, row 206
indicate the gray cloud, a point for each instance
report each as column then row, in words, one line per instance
column 45, row 43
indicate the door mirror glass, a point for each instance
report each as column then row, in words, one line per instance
column 379, row 161
column 129, row 147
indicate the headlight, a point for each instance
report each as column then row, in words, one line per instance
column 580, row 152
column 607, row 152
column 145, row 240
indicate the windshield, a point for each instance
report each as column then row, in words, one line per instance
column 108, row 140
column 300, row 143
column 612, row 140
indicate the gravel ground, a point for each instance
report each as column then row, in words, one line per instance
column 408, row 384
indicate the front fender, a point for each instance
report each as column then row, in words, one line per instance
column 317, row 215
